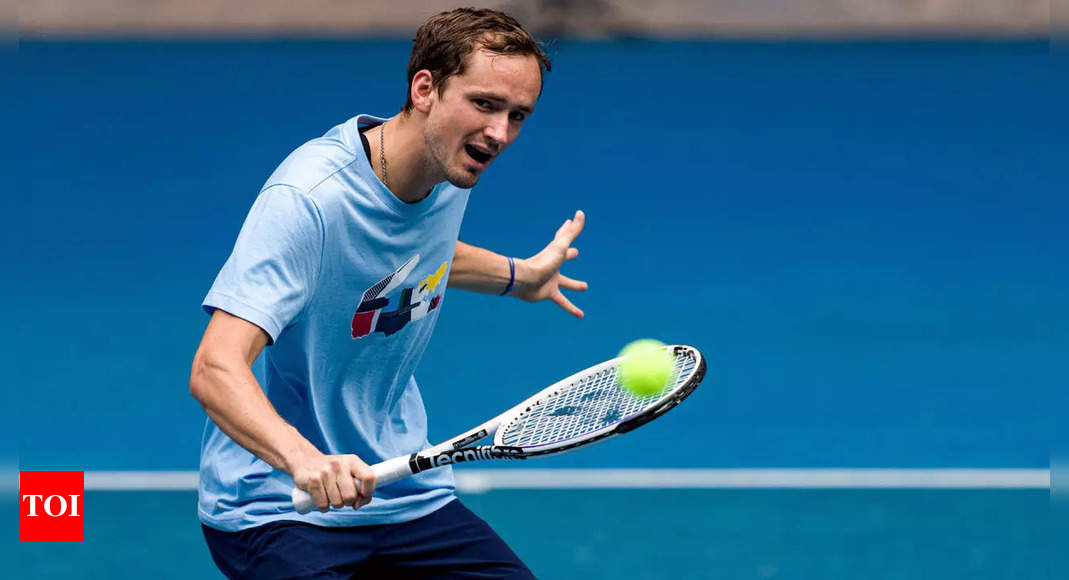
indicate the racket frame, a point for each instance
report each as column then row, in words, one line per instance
column 459, row 449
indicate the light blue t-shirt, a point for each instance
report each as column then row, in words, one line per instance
column 348, row 282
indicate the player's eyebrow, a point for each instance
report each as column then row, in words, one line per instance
column 503, row 101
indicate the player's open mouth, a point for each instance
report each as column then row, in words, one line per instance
column 480, row 155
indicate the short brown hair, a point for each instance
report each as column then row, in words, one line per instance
column 444, row 42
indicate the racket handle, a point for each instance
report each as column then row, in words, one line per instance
column 386, row 473
column 391, row 470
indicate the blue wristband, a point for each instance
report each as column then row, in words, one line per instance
column 512, row 276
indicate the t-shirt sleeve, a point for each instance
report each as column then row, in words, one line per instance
column 273, row 271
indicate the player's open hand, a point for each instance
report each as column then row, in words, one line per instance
column 539, row 278
column 336, row 481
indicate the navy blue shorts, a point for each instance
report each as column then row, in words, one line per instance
column 452, row 542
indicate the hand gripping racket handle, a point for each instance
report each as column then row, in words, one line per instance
column 386, row 473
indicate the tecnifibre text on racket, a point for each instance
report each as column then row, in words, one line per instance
column 584, row 408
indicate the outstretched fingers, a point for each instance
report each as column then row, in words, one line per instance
column 571, row 284
column 570, row 230
column 566, row 304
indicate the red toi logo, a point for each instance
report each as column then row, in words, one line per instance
column 51, row 506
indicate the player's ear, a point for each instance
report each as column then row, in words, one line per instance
column 423, row 91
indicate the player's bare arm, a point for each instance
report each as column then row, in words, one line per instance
column 536, row 278
column 223, row 382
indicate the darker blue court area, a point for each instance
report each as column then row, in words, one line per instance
column 866, row 240
column 744, row 534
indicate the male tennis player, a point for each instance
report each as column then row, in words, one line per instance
column 340, row 268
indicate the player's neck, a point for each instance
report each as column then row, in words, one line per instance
column 406, row 173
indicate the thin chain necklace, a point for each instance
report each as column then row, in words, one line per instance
column 382, row 154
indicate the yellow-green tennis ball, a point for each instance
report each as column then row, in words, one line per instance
column 646, row 368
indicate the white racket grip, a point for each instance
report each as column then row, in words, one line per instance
column 391, row 470
column 386, row 473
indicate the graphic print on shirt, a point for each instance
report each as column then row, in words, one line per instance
column 414, row 302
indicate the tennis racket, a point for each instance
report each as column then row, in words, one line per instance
column 584, row 408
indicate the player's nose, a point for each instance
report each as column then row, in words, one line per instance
column 497, row 130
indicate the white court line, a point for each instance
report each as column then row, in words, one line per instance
column 481, row 480
column 478, row 480
column 141, row 480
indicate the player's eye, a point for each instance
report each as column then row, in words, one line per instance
column 517, row 116
column 483, row 104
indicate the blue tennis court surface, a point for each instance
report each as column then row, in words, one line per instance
column 865, row 239
column 647, row 534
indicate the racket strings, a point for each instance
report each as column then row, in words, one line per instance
column 589, row 404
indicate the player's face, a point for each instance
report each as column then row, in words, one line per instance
column 480, row 113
